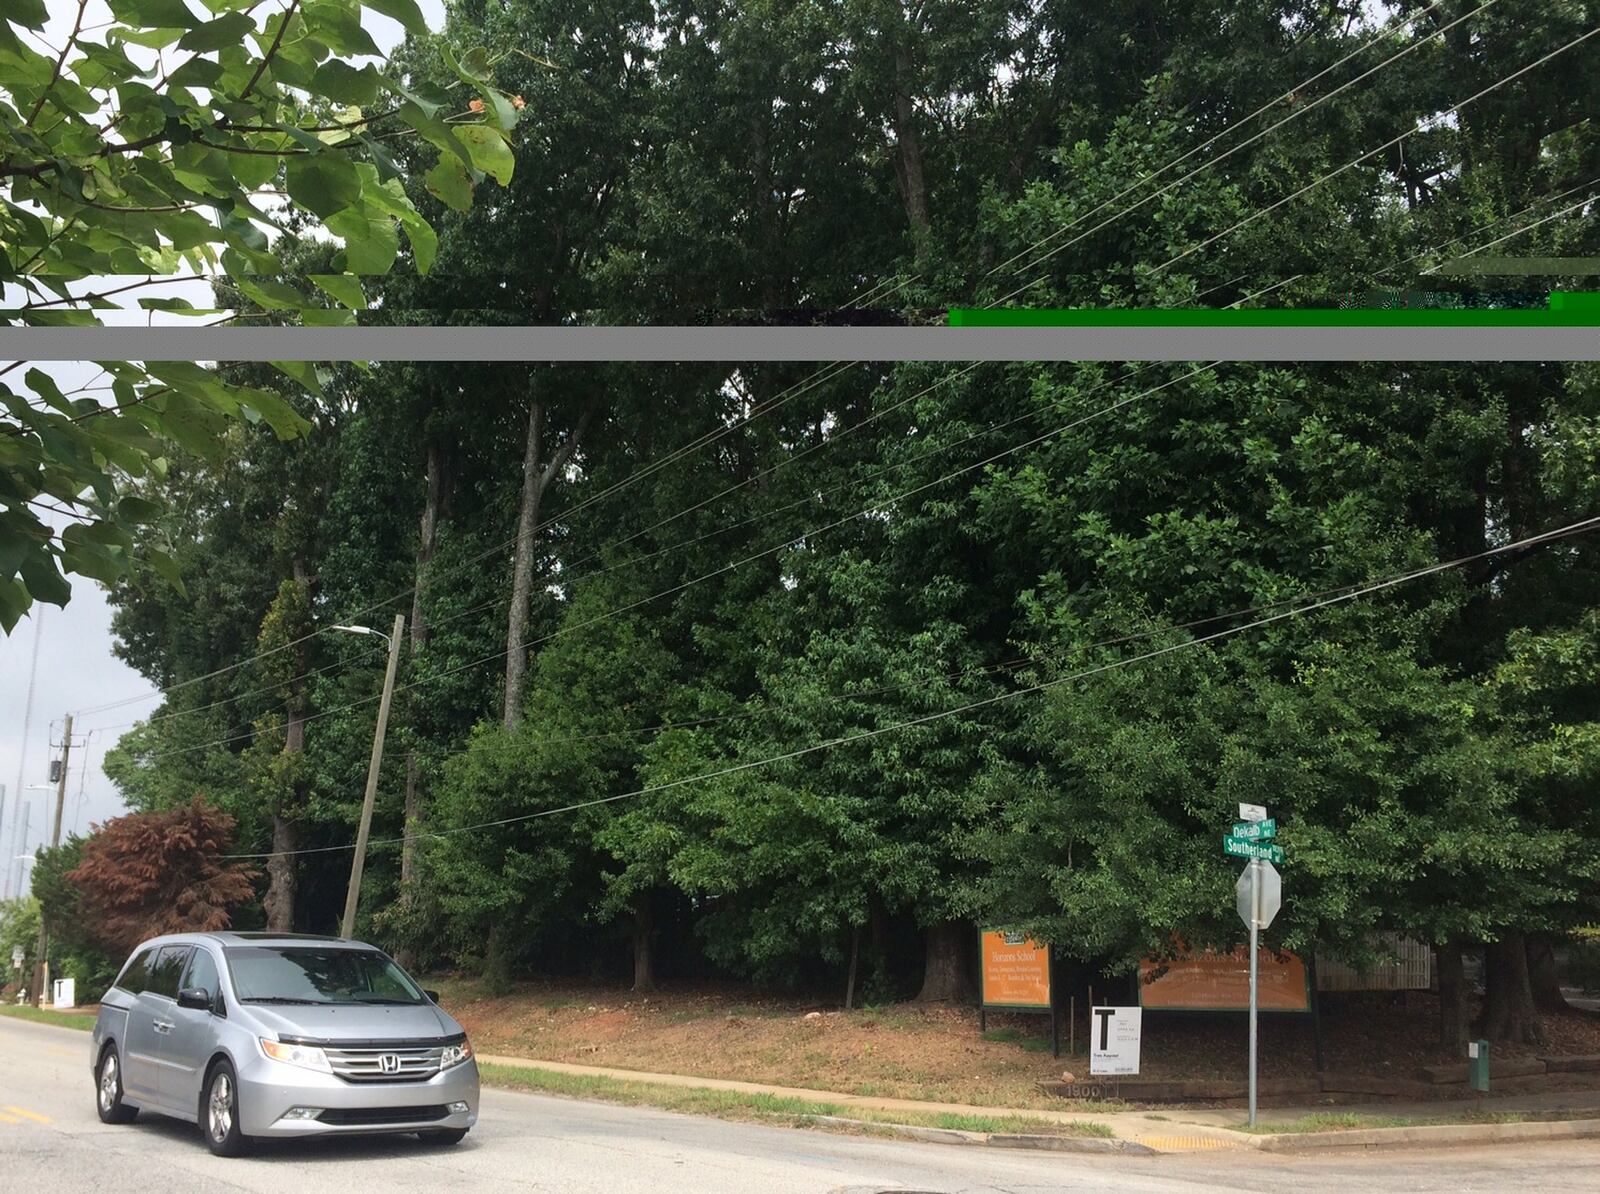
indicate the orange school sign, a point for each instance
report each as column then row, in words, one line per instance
column 1213, row 982
column 1016, row 971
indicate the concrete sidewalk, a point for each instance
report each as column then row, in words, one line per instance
column 1553, row 1103
column 1182, row 1129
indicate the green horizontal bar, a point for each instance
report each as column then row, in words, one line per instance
column 1575, row 300
column 1571, row 314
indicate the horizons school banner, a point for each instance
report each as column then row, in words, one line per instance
column 1016, row 971
column 1213, row 982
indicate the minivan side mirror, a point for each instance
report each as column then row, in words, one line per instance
column 196, row 997
column 433, row 995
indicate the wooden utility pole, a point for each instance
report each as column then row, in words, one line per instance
column 358, row 863
column 39, row 967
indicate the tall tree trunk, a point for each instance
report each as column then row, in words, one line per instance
column 945, row 977
column 1545, row 978
column 278, row 903
column 1509, row 1013
column 522, row 565
column 536, row 480
column 908, row 150
column 855, row 959
column 1452, row 999
column 427, row 543
column 644, row 970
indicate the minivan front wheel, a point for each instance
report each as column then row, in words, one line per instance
column 108, row 1090
column 219, row 1113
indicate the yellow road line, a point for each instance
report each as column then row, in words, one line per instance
column 33, row 1115
column 8, row 1119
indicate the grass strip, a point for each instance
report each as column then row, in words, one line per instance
column 43, row 1015
column 768, row 1108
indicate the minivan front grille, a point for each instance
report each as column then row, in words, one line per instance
column 379, row 1064
column 348, row 1117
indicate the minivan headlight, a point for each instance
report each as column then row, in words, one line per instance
column 306, row 1056
column 455, row 1054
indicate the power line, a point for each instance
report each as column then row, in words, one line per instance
column 1579, row 527
column 1516, row 232
column 1453, row 109
column 1295, row 115
column 1438, row 248
column 788, row 542
column 655, row 466
column 163, row 718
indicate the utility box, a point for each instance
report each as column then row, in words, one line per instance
column 1478, row 1066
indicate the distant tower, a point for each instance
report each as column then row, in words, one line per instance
column 22, row 745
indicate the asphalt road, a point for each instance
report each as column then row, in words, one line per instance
column 51, row 1140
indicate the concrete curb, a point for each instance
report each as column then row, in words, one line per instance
column 1422, row 1136
column 1041, row 1143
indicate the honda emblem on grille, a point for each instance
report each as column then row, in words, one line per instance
column 389, row 1063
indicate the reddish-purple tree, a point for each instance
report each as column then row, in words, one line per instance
column 151, row 873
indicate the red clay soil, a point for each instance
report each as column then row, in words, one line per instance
column 936, row 1051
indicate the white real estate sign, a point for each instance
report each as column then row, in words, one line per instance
column 1114, row 1039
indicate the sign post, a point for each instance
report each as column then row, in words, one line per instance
column 1255, row 973
column 1260, row 894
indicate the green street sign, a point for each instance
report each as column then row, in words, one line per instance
column 1237, row 847
column 1256, row 831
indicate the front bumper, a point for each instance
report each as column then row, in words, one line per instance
column 268, row 1089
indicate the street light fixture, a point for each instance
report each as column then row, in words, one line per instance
column 358, row 863
column 368, row 629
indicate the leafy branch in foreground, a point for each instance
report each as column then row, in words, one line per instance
column 155, row 149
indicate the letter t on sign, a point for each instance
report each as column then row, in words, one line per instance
column 1105, row 1014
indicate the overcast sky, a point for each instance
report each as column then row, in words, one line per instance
column 75, row 667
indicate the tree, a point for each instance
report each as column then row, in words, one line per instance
column 19, row 929
column 74, row 952
column 171, row 182
column 145, row 874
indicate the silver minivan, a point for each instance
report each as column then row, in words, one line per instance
column 255, row 1035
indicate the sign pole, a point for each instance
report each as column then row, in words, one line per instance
column 1255, row 930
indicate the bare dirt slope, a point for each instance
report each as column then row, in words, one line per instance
column 936, row 1052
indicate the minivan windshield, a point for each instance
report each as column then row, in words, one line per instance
column 308, row 974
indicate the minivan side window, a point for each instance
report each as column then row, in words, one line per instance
column 165, row 973
column 203, row 974
column 136, row 973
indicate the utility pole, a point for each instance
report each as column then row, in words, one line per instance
column 358, row 863
column 39, row 966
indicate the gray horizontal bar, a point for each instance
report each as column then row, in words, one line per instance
column 799, row 344
column 1505, row 267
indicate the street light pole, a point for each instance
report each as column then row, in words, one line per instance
column 358, row 863
column 39, row 966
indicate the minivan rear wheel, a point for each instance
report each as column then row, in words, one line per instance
column 108, row 1090
column 219, row 1113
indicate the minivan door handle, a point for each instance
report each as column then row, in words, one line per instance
column 163, row 1026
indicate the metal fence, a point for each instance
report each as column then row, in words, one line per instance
column 1410, row 968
